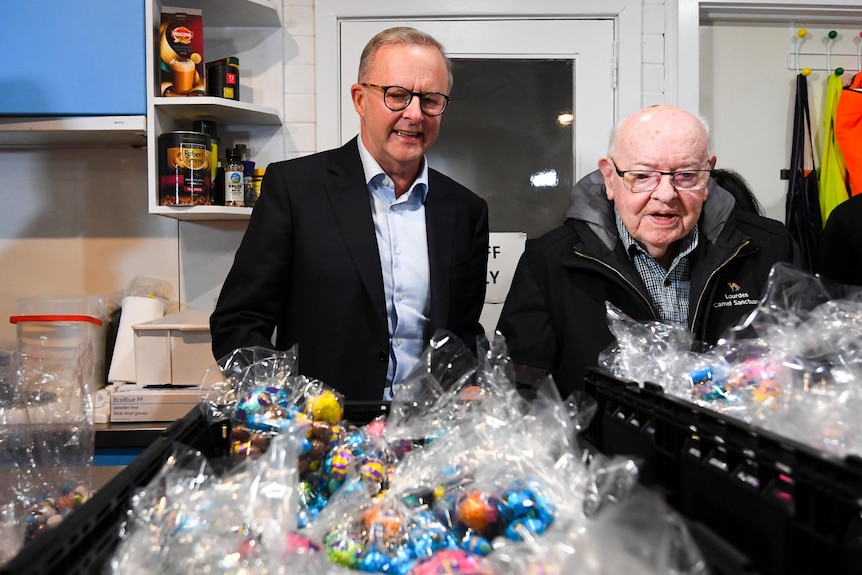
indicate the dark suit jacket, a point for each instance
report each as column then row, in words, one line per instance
column 309, row 266
column 840, row 251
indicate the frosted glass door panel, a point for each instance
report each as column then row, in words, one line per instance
column 508, row 136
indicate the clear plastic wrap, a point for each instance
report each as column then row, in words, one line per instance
column 639, row 535
column 461, row 469
column 241, row 371
column 188, row 520
column 145, row 286
column 649, row 351
column 47, row 444
column 792, row 366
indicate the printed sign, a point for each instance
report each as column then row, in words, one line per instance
column 504, row 251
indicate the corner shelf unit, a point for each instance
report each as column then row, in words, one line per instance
column 252, row 31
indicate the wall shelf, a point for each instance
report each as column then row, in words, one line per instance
column 202, row 213
column 229, row 111
column 250, row 30
column 227, row 13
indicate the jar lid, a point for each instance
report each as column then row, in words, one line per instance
column 208, row 127
column 16, row 319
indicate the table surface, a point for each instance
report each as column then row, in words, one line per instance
column 103, row 474
column 128, row 434
column 123, row 437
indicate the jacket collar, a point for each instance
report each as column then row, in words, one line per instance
column 372, row 168
column 348, row 197
column 590, row 204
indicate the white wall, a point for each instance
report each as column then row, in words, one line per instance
column 74, row 222
column 747, row 91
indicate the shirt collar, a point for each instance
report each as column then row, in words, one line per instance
column 372, row 169
column 687, row 244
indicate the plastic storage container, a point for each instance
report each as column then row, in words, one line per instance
column 83, row 542
column 70, row 347
column 87, row 305
column 175, row 349
column 63, row 334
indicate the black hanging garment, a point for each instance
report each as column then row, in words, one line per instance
column 802, row 205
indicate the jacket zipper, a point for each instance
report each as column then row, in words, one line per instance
column 709, row 281
column 635, row 289
column 647, row 301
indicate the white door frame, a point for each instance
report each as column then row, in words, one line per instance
column 329, row 14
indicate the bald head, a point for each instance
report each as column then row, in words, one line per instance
column 660, row 126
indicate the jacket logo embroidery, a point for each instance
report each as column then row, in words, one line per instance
column 735, row 296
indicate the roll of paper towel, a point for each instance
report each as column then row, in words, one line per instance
column 134, row 310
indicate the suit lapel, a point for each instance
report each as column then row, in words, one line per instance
column 439, row 219
column 348, row 197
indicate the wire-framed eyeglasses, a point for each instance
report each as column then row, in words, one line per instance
column 640, row 181
column 397, row 98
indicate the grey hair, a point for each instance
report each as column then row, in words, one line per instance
column 400, row 35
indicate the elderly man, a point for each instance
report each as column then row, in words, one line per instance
column 649, row 232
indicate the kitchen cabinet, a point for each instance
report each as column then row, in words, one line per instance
column 250, row 30
column 73, row 73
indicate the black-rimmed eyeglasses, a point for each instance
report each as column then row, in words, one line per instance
column 397, row 98
column 640, row 181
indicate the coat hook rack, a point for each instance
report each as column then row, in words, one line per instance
column 833, row 35
column 797, row 42
column 833, row 59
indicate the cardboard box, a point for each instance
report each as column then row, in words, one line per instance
column 181, row 52
column 132, row 402
column 175, row 349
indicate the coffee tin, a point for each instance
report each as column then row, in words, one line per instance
column 184, row 169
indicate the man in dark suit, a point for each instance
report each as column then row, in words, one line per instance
column 359, row 254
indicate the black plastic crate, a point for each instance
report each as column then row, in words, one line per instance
column 789, row 507
column 86, row 539
column 721, row 557
column 363, row 412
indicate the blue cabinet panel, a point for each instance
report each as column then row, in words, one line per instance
column 81, row 58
